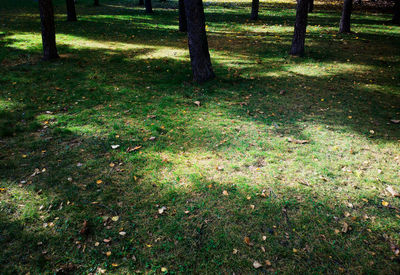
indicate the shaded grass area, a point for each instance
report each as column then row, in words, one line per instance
column 124, row 79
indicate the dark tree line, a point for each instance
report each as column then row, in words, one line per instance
column 192, row 21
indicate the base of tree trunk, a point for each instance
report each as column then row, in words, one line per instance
column 300, row 27
column 255, row 5
column 197, row 40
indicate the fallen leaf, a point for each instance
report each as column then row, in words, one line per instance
column 235, row 251
column 268, row 263
column 112, row 164
column 393, row 192
column 122, row 233
column 96, row 244
column 85, row 228
column 345, row 227
column 257, row 264
column 385, row 203
column 295, row 250
column 152, row 138
column 99, row 181
column 164, row 269
column 225, row 193
column 395, row 121
column 298, row 141
column 115, row 146
column 162, row 209
column 247, row 240
column 115, row 218
column 130, row 149
column 108, row 253
column 107, row 240
column 114, row 264
column 197, row 103
column 252, row 206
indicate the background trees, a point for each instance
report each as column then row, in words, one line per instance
column 71, row 12
column 255, row 4
column 197, row 40
column 300, row 28
column 48, row 29
column 182, row 16
column 346, row 14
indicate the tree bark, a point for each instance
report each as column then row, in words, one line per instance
column 182, row 17
column 255, row 4
column 141, row 2
column 96, row 3
column 148, row 5
column 310, row 5
column 48, row 29
column 396, row 14
column 346, row 14
column 300, row 27
column 71, row 12
column 197, row 40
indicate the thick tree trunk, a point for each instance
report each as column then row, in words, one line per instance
column 148, row 5
column 346, row 14
column 310, row 5
column 255, row 4
column 182, row 17
column 48, row 29
column 71, row 13
column 197, row 39
column 96, row 3
column 396, row 14
column 141, row 2
column 300, row 27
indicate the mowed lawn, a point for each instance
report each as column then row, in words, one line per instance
column 113, row 160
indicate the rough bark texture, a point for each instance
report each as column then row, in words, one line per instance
column 300, row 27
column 197, row 39
column 148, row 5
column 48, row 29
column 255, row 4
column 71, row 13
column 96, row 3
column 346, row 14
column 310, row 5
column 141, row 2
column 396, row 14
column 182, row 16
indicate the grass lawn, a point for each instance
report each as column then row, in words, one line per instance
column 108, row 165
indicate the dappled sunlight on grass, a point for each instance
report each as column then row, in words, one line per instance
column 167, row 173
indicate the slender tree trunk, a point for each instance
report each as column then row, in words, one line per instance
column 310, row 5
column 346, row 14
column 255, row 4
column 71, row 13
column 48, row 29
column 396, row 14
column 148, row 5
column 96, row 3
column 300, row 27
column 197, row 40
column 141, row 2
column 182, row 17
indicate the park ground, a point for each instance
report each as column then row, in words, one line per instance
column 113, row 160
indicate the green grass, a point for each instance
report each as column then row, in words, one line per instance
column 125, row 77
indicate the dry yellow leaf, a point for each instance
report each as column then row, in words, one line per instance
column 385, row 203
column 108, row 253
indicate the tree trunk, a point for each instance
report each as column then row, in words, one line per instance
column 96, row 3
column 148, row 5
column 310, row 5
column 255, row 4
column 300, row 27
column 197, row 40
column 182, row 17
column 71, row 13
column 346, row 14
column 141, row 2
column 48, row 29
column 396, row 14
